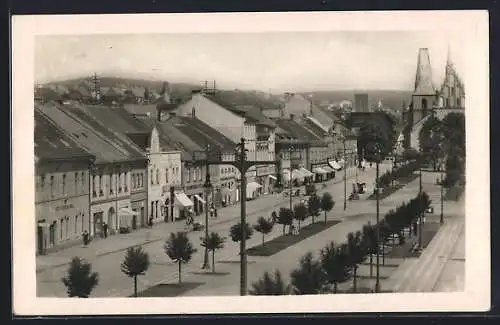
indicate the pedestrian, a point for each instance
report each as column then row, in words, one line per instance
column 85, row 237
column 105, row 229
column 150, row 222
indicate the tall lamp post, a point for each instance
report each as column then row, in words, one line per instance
column 208, row 188
column 441, row 217
column 290, row 150
column 377, row 159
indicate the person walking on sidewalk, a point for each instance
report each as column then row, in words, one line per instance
column 85, row 237
column 105, row 229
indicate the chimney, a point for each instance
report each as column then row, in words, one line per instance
column 292, row 117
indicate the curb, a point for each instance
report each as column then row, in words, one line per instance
column 39, row 270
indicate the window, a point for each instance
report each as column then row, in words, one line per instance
column 66, row 235
column 94, row 186
column 76, row 183
column 76, row 224
column 151, row 177
column 166, row 176
column 52, row 185
column 125, row 181
column 119, row 180
column 83, row 220
column 64, row 184
column 188, row 175
column 111, row 183
column 61, row 229
column 141, row 180
column 101, row 185
column 83, row 179
column 42, row 181
column 152, row 208
column 157, row 176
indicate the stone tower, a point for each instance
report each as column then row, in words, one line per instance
column 424, row 93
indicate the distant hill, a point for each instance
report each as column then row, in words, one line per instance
column 390, row 98
column 178, row 89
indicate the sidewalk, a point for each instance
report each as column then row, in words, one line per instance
column 121, row 242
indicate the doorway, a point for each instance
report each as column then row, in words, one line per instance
column 52, row 234
column 40, row 240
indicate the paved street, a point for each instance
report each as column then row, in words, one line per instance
column 114, row 283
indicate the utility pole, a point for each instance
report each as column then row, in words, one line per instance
column 420, row 208
column 207, row 187
column 345, row 176
column 243, row 260
column 441, row 218
column 377, row 283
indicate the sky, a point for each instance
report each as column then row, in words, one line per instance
column 275, row 62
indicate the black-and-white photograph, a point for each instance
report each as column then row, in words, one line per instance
column 280, row 163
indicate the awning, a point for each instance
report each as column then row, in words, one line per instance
column 328, row 169
column 251, row 187
column 128, row 212
column 199, row 198
column 183, row 200
column 297, row 174
column 335, row 165
column 306, row 172
column 319, row 170
column 286, row 175
column 273, row 177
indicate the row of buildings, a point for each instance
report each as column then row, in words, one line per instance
column 121, row 167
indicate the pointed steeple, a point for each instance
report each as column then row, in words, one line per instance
column 423, row 77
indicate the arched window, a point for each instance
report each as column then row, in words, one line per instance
column 424, row 103
column 157, row 176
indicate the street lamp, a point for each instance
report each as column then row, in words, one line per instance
column 208, row 187
column 290, row 150
column 441, row 217
column 377, row 152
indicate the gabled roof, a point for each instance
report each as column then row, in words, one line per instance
column 91, row 136
column 201, row 133
column 296, row 130
column 52, row 143
column 315, row 126
column 170, row 136
column 141, row 109
column 248, row 111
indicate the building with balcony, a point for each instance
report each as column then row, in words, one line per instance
column 61, row 187
column 110, row 176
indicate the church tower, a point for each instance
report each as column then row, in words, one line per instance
column 424, row 93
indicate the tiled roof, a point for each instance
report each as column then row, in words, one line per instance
column 296, row 130
column 52, row 143
column 314, row 126
column 170, row 136
column 242, row 108
column 47, row 94
column 139, row 109
column 91, row 135
column 201, row 133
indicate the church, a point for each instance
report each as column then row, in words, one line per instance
column 428, row 99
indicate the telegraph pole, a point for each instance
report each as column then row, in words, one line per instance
column 345, row 176
column 243, row 259
column 207, row 186
column 377, row 283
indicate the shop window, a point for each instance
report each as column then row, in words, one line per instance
column 52, row 185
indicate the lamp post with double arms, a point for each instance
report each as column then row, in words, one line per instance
column 208, row 187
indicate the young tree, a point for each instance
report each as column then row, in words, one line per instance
column 369, row 239
column 300, row 212
column 179, row 249
column 335, row 264
column 285, row 218
column 235, row 232
column 213, row 243
column 263, row 226
column 136, row 263
column 80, row 280
column 356, row 254
column 309, row 278
column 430, row 139
column 327, row 203
column 269, row 286
column 314, row 205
